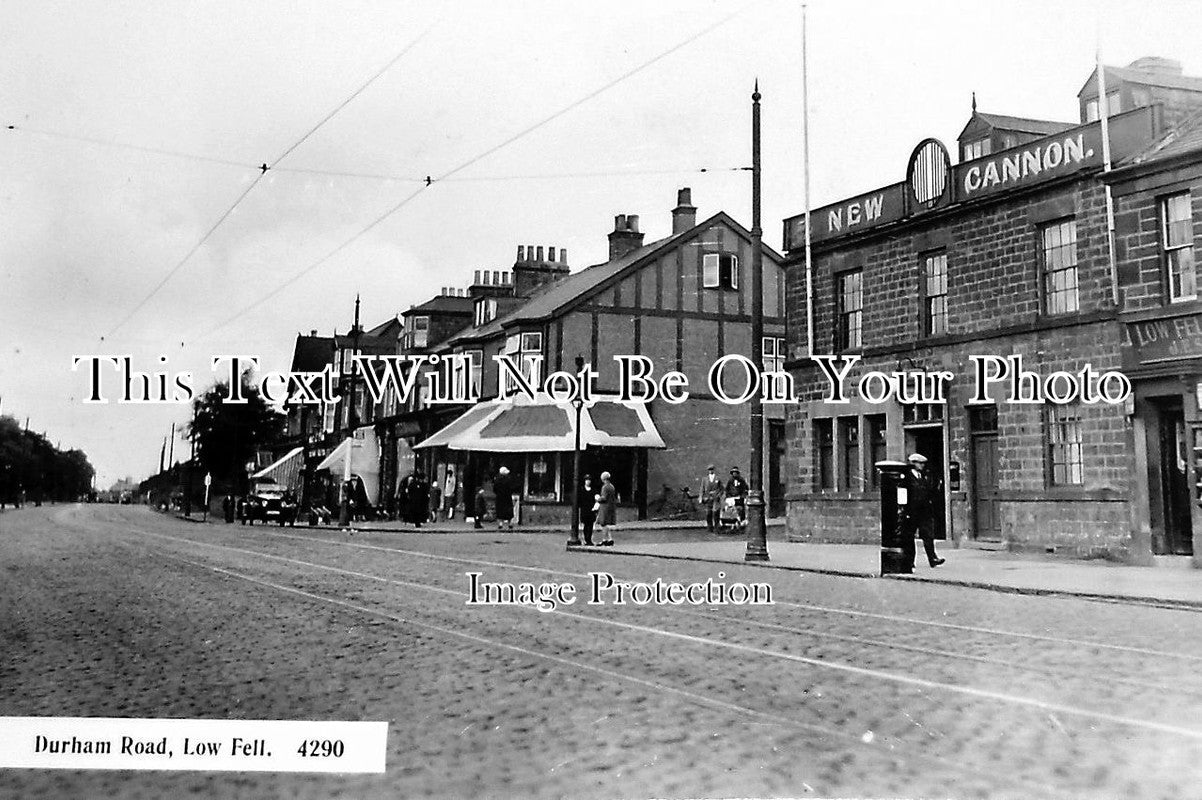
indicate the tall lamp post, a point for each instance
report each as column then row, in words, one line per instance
column 578, row 405
column 344, row 514
column 757, row 531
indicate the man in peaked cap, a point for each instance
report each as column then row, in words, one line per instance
column 918, row 514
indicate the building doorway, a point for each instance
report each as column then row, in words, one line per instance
column 776, row 473
column 927, row 440
column 986, row 516
column 1170, row 480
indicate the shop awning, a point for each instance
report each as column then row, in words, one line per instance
column 286, row 471
column 365, row 460
column 521, row 425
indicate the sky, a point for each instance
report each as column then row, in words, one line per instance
column 137, row 125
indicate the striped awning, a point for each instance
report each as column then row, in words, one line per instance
column 285, row 471
column 521, row 425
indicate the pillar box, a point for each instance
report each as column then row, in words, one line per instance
column 893, row 496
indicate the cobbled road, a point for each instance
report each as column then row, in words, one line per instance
column 844, row 687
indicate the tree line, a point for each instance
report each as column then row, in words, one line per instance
column 34, row 470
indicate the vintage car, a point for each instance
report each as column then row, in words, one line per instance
column 268, row 504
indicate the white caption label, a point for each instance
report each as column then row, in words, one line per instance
column 192, row 744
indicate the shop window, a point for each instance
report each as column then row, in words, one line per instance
column 877, row 444
column 824, row 446
column 934, row 286
column 849, row 288
column 1064, row 445
column 849, row 451
column 1177, row 237
column 542, row 476
column 1059, row 247
column 720, row 271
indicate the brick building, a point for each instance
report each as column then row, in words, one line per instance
column 1005, row 253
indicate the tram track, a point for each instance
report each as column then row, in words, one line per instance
column 744, row 650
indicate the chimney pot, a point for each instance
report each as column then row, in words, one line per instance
column 496, row 275
column 620, row 222
column 632, row 223
column 539, row 257
column 563, row 255
column 521, row 252
column 486, row 274
column 551, row 254
column 313, row 332
column 476, row 278
column 684, row 216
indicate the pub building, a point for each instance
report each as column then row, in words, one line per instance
column 1007, row 252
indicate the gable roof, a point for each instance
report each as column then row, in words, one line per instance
column 1143, row 77
column 312, row 353
column 1002, row 122
column 557, row 295
column 444, row 303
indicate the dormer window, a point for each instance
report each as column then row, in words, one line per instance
column 977, row 149
column 486, row 310
column 416, row 333
column 1114, row 105
column 721, row 271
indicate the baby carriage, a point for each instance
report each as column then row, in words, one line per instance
column 732, row 516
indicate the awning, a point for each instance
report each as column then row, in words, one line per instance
column 365, row 460
column 286, row 471
column 521, row 425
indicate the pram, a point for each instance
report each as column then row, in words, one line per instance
column 732, row 517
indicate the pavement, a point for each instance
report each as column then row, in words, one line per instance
column 1173, row 583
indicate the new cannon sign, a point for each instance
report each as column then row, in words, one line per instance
column 1029, row 164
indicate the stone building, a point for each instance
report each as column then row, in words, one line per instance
column 1004, row 254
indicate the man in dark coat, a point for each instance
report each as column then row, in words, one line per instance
column 918, row 514
column 418, row 492
column 502, row 487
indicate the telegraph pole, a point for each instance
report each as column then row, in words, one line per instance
column 757, row 532
column 344, row 514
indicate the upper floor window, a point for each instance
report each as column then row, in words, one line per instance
column 1059, row 241
column 774, row 354
column 934, row 286
column 468, row 371
column 417, row 330
column 849, row 300
column 1008, row 141
column 977, row 149
column 486, row 310
column 1114, row 105
column 1177, row 236
column 721, row 270
column 526, row 350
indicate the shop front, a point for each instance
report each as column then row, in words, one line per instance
column 536, row 440
column 1163, row 359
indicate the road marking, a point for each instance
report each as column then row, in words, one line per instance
column 809, row 607
column 879, row 748
column 983, row 694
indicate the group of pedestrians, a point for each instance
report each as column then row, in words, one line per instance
column 714, row 493
column 598, row 505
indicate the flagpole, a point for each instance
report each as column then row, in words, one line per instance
column 1104, row 116
column 805, row 154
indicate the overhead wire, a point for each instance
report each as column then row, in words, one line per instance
column 464, row 165
column 263, row 171
column 114, row 143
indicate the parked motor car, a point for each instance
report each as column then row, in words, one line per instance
column 268, row 504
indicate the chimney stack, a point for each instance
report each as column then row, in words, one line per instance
column 625, row 237
column 684, row 216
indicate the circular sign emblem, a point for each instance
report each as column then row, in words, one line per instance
column 928, row 174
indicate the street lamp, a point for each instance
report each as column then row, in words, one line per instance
column 757, row 531
column 578, row 405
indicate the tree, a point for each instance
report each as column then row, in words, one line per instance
column 30, row 464
column 229, row 434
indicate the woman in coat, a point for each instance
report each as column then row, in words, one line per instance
column 419, row 499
